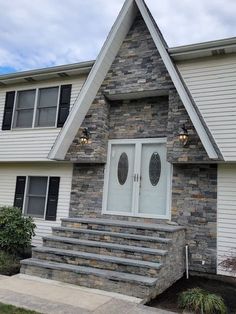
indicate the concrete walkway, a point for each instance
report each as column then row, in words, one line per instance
column 52, row 297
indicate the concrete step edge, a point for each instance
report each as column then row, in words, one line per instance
column 121, row 247
column 114, row 234
column 109, row 274
column 99, row 257
column 126, row 224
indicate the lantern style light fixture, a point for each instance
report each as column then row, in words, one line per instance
column 85, row 136
column 183, row 135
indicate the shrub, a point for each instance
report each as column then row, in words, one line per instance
column 201, row 302
column 16, row 231
column 9, row 264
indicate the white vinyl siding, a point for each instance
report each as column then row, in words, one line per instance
column 212, row 84
column 8, row 174
column 226, row 214
column 32, row 144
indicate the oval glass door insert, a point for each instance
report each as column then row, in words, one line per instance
column 154, row 169
column 123, row 168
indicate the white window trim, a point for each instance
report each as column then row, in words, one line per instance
column 26, row 193
column 167, row 216
column 13, row 128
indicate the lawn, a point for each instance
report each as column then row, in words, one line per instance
column 9, row 309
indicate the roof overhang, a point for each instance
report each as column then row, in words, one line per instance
column 205, row 49
column 62, row 71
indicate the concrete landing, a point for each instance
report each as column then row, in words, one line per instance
column 52, row 297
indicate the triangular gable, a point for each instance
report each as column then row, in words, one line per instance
column 102, row 66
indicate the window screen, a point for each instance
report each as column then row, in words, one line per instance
column 47, row 107
column 36, row 196
column 24, row 109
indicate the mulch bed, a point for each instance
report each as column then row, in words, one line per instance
column 168, row 299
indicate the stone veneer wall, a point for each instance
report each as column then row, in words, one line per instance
column 194, row 193
column 138, row 67
column 194, row 151
column 141, row 118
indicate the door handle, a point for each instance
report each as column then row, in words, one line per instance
column 135, row 177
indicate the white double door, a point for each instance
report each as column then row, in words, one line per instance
column 137, row 179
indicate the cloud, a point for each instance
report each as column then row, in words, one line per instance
column 43, row 33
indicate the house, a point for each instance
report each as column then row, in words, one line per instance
column 93, row 151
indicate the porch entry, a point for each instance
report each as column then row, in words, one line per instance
column 137, row 179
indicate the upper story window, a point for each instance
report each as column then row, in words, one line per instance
column 36, row 108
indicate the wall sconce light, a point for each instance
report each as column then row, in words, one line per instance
column 85, row 136
column 183, row 135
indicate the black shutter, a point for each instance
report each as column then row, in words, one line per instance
column 51, row 213
column 19, row 192
column 64, row 104
column 8, row 110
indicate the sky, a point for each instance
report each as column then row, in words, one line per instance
column 42, row 33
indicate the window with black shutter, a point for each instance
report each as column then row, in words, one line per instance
column 37, row 196
column 37, row 108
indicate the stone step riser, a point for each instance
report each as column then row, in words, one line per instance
column 104, row 251
column 111, row 239
column 119, row 229
column 90, row 281
column 79, row 261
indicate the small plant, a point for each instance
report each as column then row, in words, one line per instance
column 16, row 231
column 201, row 302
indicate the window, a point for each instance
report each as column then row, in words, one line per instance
column 47, row 106
column 24, row 109
column 36, row 108
column 36, row 196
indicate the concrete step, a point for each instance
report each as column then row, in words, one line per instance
column 130, row 284
column 98, row 247
column 138, row 228
column 113, row 237
column 114, row 263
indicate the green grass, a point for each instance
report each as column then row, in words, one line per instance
column 9, row 309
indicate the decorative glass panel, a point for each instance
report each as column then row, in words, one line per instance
column 123, row 168
column 154, row 169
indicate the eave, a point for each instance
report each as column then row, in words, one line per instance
column 62, row 71
column 205, row 49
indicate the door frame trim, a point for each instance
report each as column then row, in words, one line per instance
column 161, row 140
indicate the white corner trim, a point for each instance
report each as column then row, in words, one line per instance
column 94, row 80
column 178, row 83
